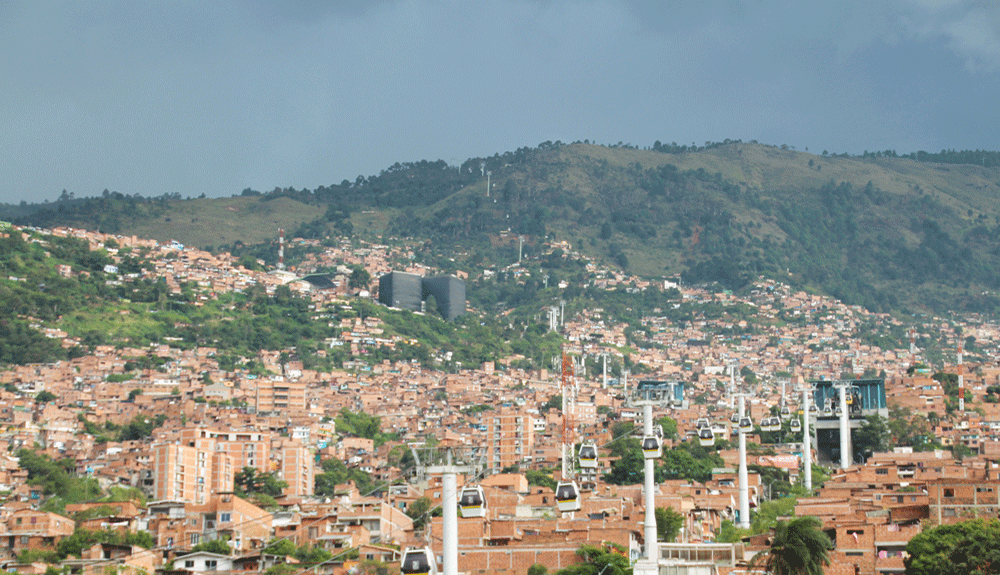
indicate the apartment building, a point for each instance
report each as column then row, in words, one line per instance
column 28, row 529
column 510, row 438
column 275, row 395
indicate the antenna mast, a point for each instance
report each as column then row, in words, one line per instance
column 568, row 400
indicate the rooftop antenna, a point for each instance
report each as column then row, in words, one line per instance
column 488, row 174
column 913, row 341
column 482, row 168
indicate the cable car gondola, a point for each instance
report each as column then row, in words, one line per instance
column 472, row 502
column 827, row 412
column 839, row 411
column 702, row 423
column 418, row 561
column 568, row 496
column 652, row 447
column 796, row 425
column 588, row 455
column 735, row 417
column 855, row 399
column 786, row 412
column 746, row 425
column 770, row 424
column 706, row 437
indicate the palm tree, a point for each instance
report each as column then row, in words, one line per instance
column 799, row 547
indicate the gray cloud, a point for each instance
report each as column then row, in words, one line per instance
column 192, row 97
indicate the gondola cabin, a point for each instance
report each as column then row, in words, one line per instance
column 472, row 502
column 702, row 423
column 746, row 425
column 706, row 437
column 652, row 446
column 568, row 496
column 735, row 418
column 588, row 455
column 786, row 412
column 796, row 425
column 418, row 561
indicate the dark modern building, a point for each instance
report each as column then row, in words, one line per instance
column 448, row 292
column 401, row 290
column 409, row 291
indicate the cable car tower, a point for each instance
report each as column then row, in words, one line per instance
column 421, row 560
column 647, row 394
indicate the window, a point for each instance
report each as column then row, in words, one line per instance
column 19, row 520
column 949, row 492
column 188, row 564
column 25, row 539
column 225, row 517
column 854, row 553
column 948, row 512
column 882, row 471
column 194, row 539
column 211, row 564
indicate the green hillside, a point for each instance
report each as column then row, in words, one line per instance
column 886, row 232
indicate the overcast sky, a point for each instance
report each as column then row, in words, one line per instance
column 214, row 97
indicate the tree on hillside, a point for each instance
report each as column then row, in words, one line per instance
column 249, row 481
column 360, row 278
column 873, row 436
column 966, row 547
column 606, row 560
column 220, row 546
column 799, row 547
column 668, row 524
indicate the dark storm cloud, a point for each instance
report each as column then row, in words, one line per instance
column 156, row 98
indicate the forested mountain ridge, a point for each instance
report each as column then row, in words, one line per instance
column 879, row 230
